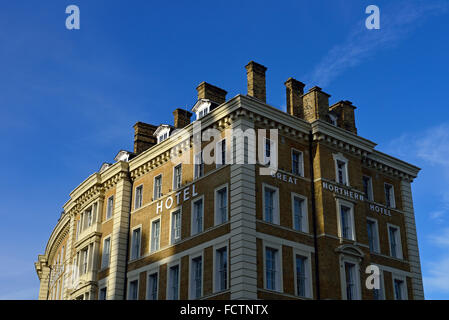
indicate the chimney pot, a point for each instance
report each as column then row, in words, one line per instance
column 207, row 91
column 255, row 74
column 143, row 137
column 295, row 90
column 182, row 118
column 346, row 115
column 316, row 104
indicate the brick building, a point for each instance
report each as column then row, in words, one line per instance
column 153, row 226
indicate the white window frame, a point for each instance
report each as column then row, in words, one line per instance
column 150, row 273
column 103, row 264
column 215, row 266
column 377, row 241
column 202, row 111
column 333, row 119
column 169, row 266
column 218, row 153
column 392, row 199
column 78, row 228
column 276, row 208
column 175, row 182
column 106, row 292
column 136, row 278
column 301, row 159
column 155, row 195
column 164, row 134
column 370, row 195
column 84, row 260
column 90, row 216
column 358, row 289
column 400, row 252
column 308, row 266
column 192, row 216
column 191, row 275
column 402, row 278
column 137, row 204
column 279, row 276
column 349, row 205
column 272, row 147
column 157, row 219
column 132, row 258
column 305, row 218
column 339, row 157
column 198, row 169
column 172, row 233
column 111, row 207
column 381, row 285
column 217, row 215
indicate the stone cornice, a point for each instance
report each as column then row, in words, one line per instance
column 391, row 166
column 94, row 186
column 159, row 154
column 89, row 189
column 40, row 265
column 57, row 236
column 340, row 138
column 94, row 236
column 349, row 142
column 220, row 118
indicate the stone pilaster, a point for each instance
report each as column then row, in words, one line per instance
column 45, row 279
column 68, row 259
column 116, row 289
column 412, row 240
column 243, row 262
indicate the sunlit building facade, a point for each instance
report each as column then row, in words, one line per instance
column 162, row 223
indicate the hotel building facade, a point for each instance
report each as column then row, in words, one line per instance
column 162, row 223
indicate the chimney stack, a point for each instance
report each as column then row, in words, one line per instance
column 316, row 105
column 143, row 137
column 255, row 74
column 213, row 93
column 345, row 114
column 182, row 118
column 295, row 90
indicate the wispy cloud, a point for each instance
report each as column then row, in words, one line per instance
column 397, row 21
column 430, row 148
column 433, row 146
column 442, row 238
column 22, row 294
column 438, row 276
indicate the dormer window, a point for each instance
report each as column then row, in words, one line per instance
column 162, row 132
column 162, row 137
column 122, row 156
column 333, row 119
column 202, row 108
column 202, row 112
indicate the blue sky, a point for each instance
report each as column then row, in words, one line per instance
column 68, row 99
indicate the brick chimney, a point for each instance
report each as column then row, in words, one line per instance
column 316, row 105
column 255, row 74
column 295, row 90
column 211, row 92
column 182, row 118
column 345, row 114
column 143, row 137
